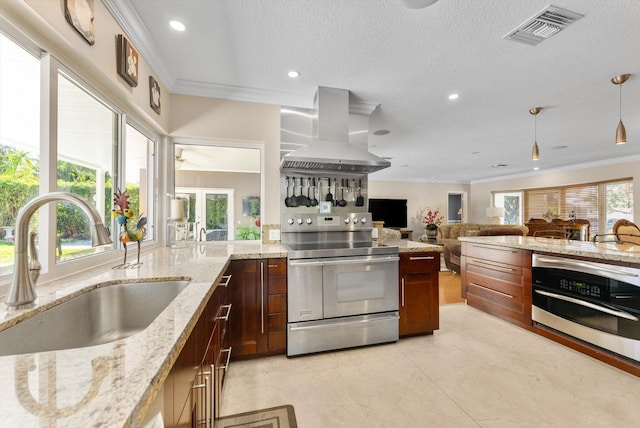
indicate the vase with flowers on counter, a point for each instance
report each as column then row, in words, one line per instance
column 431, row 220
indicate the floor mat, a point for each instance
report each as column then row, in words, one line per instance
column 275, row 417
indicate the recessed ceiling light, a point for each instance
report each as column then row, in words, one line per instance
column 293, row 74
column 453, row 96
column 177, row 25
column 475, row 153
column 404, row 166
column 536, row 168
column 559, row 147
column 381, row 132
column 499, row 165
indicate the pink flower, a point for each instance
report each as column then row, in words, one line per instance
column 433, row 217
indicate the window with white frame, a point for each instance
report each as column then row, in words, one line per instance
column 91, row 148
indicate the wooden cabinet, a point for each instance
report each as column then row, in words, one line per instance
column 258, row 293
column 193, row 388
column 497, row 280
column 419, row 300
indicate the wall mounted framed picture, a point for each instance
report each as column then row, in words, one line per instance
column 79, row 13
column 154, row 94
column 127, row 61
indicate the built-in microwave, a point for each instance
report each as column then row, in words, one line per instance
column 595, row 302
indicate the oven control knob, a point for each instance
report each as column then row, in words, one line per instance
column 290, row 221
column 299, row 221
column 347, row 220
column 355, row 220
column 309, row 221
column 363, row 220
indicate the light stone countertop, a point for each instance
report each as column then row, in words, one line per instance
column 114, row 383
column 406, row 246
column 627, row 253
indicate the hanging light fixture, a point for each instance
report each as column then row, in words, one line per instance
column 621, row 133
column 535, row 153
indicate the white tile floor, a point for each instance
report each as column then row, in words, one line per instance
column 476, row 371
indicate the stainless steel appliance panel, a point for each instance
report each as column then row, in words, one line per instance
column 594, row 302
column 340, row 333
column 304, row 290
column 360, row 285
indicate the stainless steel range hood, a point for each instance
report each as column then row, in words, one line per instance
column 330, row 150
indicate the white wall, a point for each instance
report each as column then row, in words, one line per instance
column 418, row 195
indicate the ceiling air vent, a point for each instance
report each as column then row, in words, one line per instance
column 543, row 25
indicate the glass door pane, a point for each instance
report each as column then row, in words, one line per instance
column 216, row 216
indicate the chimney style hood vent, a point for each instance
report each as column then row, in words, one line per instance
column 330, row 150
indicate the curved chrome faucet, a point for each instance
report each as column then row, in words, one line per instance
column 202, row 229
column 25, row 273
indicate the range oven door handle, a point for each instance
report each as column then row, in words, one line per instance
column 589, row 268
column 620, row 314
column 350, row 261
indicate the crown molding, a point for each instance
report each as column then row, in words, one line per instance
column 241, row 93
column 131, row 23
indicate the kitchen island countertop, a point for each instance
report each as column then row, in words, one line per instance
column 609, row 251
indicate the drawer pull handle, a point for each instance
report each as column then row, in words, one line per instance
column 508, row 250
column 422, row 258
column 487, row 264
column 226, row 364
column 224, row 317
column 225, row 280
column 491, row 290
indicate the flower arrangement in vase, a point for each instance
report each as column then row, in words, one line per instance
column 431, row 220
column 549, row 216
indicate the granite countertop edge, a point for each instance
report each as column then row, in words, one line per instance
column 609, row 251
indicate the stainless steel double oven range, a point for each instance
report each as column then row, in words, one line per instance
column 342, row 289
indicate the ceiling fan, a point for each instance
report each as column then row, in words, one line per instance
column 179, row 159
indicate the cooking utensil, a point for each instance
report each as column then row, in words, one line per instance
column 300, row 198
column 342, row 202
column 314, row 201
column 307, row 199
column 359, row 199
column 329, row 197
column 287, row 200
column 294, row 198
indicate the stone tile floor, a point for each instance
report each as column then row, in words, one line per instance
column 476, row 371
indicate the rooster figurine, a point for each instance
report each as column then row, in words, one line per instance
column 123, row 214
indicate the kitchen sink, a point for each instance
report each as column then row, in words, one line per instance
column 100, row 315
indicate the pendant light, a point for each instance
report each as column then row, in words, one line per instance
column 621, row 133
column 535, row 153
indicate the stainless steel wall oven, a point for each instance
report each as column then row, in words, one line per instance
column 342, row 290
column 595, row 302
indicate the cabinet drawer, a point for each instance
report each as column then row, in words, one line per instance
column 496, row 271
column 276, row 267
column 277, row 285
column 277, row 303
column 419, row 262
column 506, row 255
column 278, row 322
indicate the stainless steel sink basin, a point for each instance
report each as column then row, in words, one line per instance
column 98, row 316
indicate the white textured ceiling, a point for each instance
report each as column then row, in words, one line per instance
column 409, row 61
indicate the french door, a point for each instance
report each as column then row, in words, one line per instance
column 210, row 213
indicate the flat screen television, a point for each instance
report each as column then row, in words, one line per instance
column 392, row 211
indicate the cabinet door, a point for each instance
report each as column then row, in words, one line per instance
column 419, row 312
column 248, row 320
column 419, row 294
